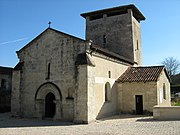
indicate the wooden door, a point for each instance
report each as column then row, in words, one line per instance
column 139, row 104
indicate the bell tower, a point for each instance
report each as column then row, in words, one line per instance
column 116, row 29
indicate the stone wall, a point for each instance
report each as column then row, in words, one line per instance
column 16, row 94
column 90, row 101
column 149, row 90
column 91, row 95
column 127, row 92
column 117, row 33
column 60, row 51
column 166, row 112
column 106, row 70
column 163, row 82
column 137, row 45
column 81, row 110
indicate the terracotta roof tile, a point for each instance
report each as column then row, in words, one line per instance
column 141, row 74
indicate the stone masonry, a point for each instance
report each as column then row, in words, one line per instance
column 63, row 77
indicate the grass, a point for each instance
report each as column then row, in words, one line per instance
column 175, row 103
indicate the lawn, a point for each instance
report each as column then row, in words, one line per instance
column 175, row 103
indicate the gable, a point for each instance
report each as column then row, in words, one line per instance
column 34, row 44
column 45, row 32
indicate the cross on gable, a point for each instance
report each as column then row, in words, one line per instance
column 49, row 24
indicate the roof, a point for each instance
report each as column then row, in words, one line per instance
column 111, row 54
column 93, row 47
column 5, row 70
column 120, row 9
column 142, row 74
column 29, row 44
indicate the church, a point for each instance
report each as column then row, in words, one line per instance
column 65, row 78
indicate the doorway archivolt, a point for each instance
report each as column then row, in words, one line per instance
column 41, row 100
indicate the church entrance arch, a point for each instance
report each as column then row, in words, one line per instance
column 48, row 101
column 50, row 105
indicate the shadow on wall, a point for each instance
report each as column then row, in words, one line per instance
column 109, row 106
column 5, row 101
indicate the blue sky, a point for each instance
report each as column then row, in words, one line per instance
column 23, row 20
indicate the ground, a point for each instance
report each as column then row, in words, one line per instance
column 116, row 125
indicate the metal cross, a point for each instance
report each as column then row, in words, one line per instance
column 49, row 24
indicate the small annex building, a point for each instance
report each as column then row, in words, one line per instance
column 143, row 88
column 63, row 77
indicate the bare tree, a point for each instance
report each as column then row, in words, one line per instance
column 172, row 65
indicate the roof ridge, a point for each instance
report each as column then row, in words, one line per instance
column 39, row 35
column 148, row 66
column 66, row 34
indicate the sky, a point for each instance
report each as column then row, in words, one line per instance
column 22, row 20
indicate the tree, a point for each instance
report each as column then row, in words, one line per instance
column 172, row 65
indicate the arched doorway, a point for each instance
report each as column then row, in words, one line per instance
column 50, row 107
column 48, row 101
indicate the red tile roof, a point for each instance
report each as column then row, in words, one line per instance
column 142, row 74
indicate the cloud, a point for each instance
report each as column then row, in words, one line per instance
column 14, row 41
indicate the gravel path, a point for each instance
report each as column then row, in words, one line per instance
column 116, row 125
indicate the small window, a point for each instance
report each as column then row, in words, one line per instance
column 104, row 40
column 109, row 74
column 3, row 83
column 164, row 91
column 106, row 97
column 48, row 71
column 137, row 45
column 107, row 92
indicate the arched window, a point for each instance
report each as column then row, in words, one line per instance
column 104, row 40
column 107, row 92
column 137, row 45
column 48, row 70
column 109, row 74
column 164, row 91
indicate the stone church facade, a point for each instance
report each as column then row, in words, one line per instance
column 64, row 77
